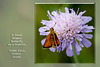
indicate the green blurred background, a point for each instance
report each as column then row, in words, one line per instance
column 18, row 16
column 87, row 55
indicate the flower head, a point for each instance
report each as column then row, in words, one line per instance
column 71, row 29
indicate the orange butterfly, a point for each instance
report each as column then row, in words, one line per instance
column 51, row 40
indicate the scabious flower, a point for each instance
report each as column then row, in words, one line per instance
column 71, row 29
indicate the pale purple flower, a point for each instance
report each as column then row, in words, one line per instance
column 69, row 28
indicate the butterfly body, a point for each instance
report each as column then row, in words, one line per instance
column 51, row 40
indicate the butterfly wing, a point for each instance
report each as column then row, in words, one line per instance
column 48, row 42
column 56, row 40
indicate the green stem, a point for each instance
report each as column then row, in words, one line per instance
column 75, row 56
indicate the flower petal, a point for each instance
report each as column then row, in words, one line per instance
column 44, row 33
column 59, row 48
column 66, row 10
column 63, row 45
column 59, row 11
column 81, row 44
column 78, row 38
column 70, row 46
column 81, row 13
column 77, row 47
column 77, row 52
column 86, row 19
column 69, row 52
column 89, row 27
column 52, row 49
column 49, row 14
column 54, row 13
column 86, row 30
column 86, row 42
column 72, row 11
column 44, row 22
column 43, row 41
column 43, row 29
column 51, row 24
column 89, row 36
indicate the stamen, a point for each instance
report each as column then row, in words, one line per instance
column 77, row 10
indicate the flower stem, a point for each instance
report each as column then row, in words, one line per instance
column 75, row 56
